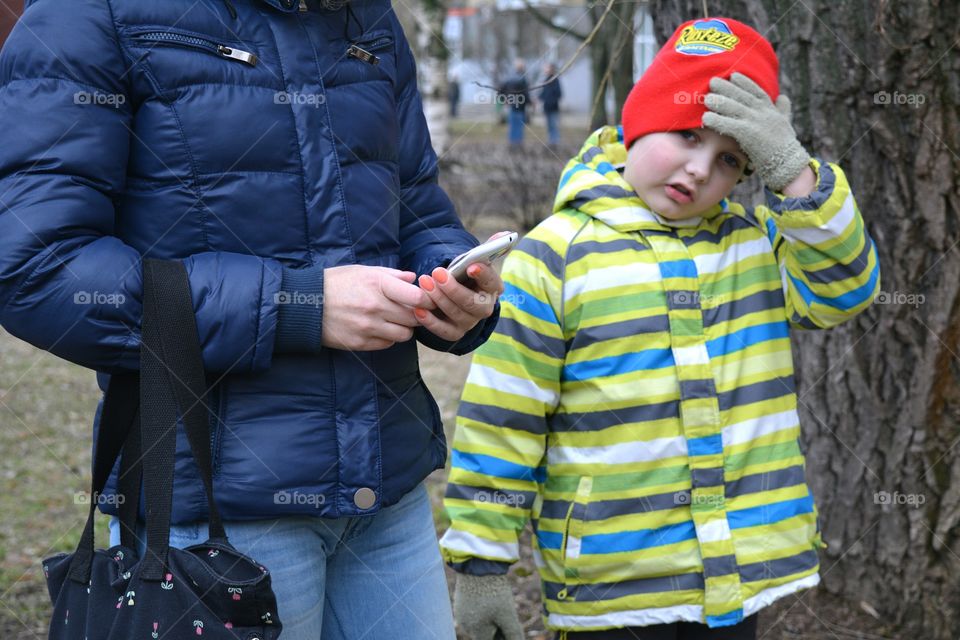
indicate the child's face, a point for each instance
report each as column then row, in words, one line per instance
column 681, row 174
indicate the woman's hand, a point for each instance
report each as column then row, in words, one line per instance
column 369, row 308
column 458, row 308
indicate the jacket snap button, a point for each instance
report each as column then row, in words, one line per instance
column 364, row 498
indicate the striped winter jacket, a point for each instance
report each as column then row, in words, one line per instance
column 637, row 400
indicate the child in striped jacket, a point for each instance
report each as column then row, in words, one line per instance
column 637, row 402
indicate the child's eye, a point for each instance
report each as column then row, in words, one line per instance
column 687, row 135
column 731, row 160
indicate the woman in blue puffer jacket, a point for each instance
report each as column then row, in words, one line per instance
column 279, row 149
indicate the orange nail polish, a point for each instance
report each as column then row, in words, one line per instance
column 426, row 283
column 440, row 275
column 420, row 313
column 473, row 270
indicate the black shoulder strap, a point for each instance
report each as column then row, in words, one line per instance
column 172, row 387
column 169, row 388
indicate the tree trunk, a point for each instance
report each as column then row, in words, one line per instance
column 622, row 51
column 876, row 87
column 10, row 10
column 432, row 57
column 599, row 63
column 611, row 59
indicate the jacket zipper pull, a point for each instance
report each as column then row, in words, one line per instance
column 237, row 54
column 303, row 6
column 363, row 54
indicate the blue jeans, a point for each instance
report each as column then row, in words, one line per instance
column 553, row 127
column 514, row 126
column 370, row 577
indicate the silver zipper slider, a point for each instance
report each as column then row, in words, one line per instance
column 237, row 54
column 303, row 5
column 362, row 54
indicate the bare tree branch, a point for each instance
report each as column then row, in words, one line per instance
column 583, row 45
column 546, row 20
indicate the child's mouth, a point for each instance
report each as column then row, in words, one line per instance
column 678, row 193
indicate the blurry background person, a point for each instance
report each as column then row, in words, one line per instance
column 514, row 92
column 550, row 95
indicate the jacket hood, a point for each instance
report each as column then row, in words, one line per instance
column 592, row 183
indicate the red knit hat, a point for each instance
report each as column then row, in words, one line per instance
column 669, row 95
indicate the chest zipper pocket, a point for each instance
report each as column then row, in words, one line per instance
column 364, row 51
column 169, row 38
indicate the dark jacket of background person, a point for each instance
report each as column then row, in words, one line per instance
column 515, row 90
column 132, row 129
column 550, row 95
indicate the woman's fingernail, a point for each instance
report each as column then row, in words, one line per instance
column 440, row 275
column 420, row 313
column 426, row 283
column 473, row 270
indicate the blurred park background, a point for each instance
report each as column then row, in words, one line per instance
column 875, row 86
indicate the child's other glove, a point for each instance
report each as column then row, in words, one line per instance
column 484, row 605
column 739, row 108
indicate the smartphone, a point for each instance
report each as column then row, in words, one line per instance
column 485, row 253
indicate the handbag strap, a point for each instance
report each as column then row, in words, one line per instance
column 117, row 419
column 170, row 383
column 128, row 482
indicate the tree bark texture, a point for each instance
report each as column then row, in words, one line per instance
column 876, row 88
column 432, row 54
column 611, row 58
column 10, row 10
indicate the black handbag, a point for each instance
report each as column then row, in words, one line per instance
column 208, row 590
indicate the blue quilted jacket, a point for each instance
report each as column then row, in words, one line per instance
column 260, row 142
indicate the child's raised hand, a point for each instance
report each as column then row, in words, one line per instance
column 739, row 108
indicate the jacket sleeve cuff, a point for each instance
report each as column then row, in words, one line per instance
column 823, row 189
column 300, row 316
column 470, row 340
column 480, row 567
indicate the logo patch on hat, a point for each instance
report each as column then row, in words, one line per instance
column 706, row 37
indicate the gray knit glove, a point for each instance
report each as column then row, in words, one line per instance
column 739, row 108
column 485, row 609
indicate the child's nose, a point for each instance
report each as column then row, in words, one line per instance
column 698, row 168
